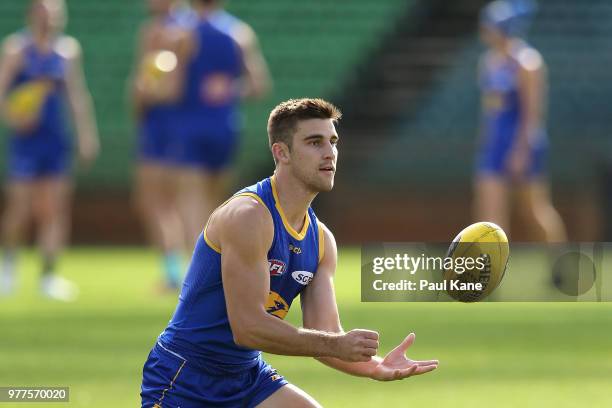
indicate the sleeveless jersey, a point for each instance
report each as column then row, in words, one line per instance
column 51, row 130
column 217, row 60
column 502, row 105
column 200, row 331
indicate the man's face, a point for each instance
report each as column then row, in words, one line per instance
column 47, row 15
column 314, row 153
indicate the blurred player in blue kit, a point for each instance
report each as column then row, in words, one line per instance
column 224, row 65
column 513, row 144
column 194, row 128
column 40, row 73
column 259, row 250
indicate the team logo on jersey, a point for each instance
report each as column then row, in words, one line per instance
column 302, row 277
column 295, row 249
column 276, row 267
column 276, row 305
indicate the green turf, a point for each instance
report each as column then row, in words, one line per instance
column 491, row 354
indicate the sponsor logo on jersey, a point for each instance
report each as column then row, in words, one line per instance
column 276, row 267
column 276, row 305
column 302, row 277
column 295, row 249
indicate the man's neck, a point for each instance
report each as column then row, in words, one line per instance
column 42, row 40
column 293, row 197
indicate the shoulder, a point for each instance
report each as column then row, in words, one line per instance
column 243, row 34
column 327, row 242
column 14, row 44
column 245, row 208
column 529, row 59
column 68, row 47
column 242, row 218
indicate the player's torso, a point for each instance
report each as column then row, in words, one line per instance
column 293, row 257
column 41, row 80
column 212, row 88
column 161, row 34
column 500, row 97
column 200, row 326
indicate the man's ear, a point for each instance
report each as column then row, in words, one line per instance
column 281, row 152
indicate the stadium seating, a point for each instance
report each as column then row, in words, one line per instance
column 434, row 142
column 311, row 47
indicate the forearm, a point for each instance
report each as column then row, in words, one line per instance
column 272, row 335
column 255, row 88
column 525, row 132
column 359, row 369
column 82, row 111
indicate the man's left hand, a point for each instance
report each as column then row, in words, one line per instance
column 396, row 366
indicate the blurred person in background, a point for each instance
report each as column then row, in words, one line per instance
column 225, row 65
column 155, row 94
column 513, row 144
column 40, row 71
column 203, row 64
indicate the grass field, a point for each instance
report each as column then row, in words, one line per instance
column 491, row 354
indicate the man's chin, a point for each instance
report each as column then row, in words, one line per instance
column 325, row 186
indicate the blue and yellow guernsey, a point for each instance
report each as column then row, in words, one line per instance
column 199, row 330
column 49, row 68
column 499, row 82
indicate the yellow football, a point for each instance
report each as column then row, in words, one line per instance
column 24, row 103
column 480, row 255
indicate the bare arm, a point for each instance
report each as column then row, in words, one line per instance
column 81, row 104
column 532, row 94
column 320, row 312
column 257, row 81
column 243, row 230
column 135, row 87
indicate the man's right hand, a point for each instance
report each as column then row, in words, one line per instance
column 357, row 345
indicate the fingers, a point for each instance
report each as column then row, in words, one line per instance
column 407, row 372
column 413, row 370
column 425, row 369
column 358, row 345
column 403, row 346
column 369, row 352
column 368, row 343
column 425, row 362
column 368, row 334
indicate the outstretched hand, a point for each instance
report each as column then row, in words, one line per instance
column 395, row 365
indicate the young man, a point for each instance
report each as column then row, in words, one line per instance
column 40, row 73
column 259, row 250
column 514, row 143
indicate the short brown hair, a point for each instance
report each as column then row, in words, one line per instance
column 284, row 118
